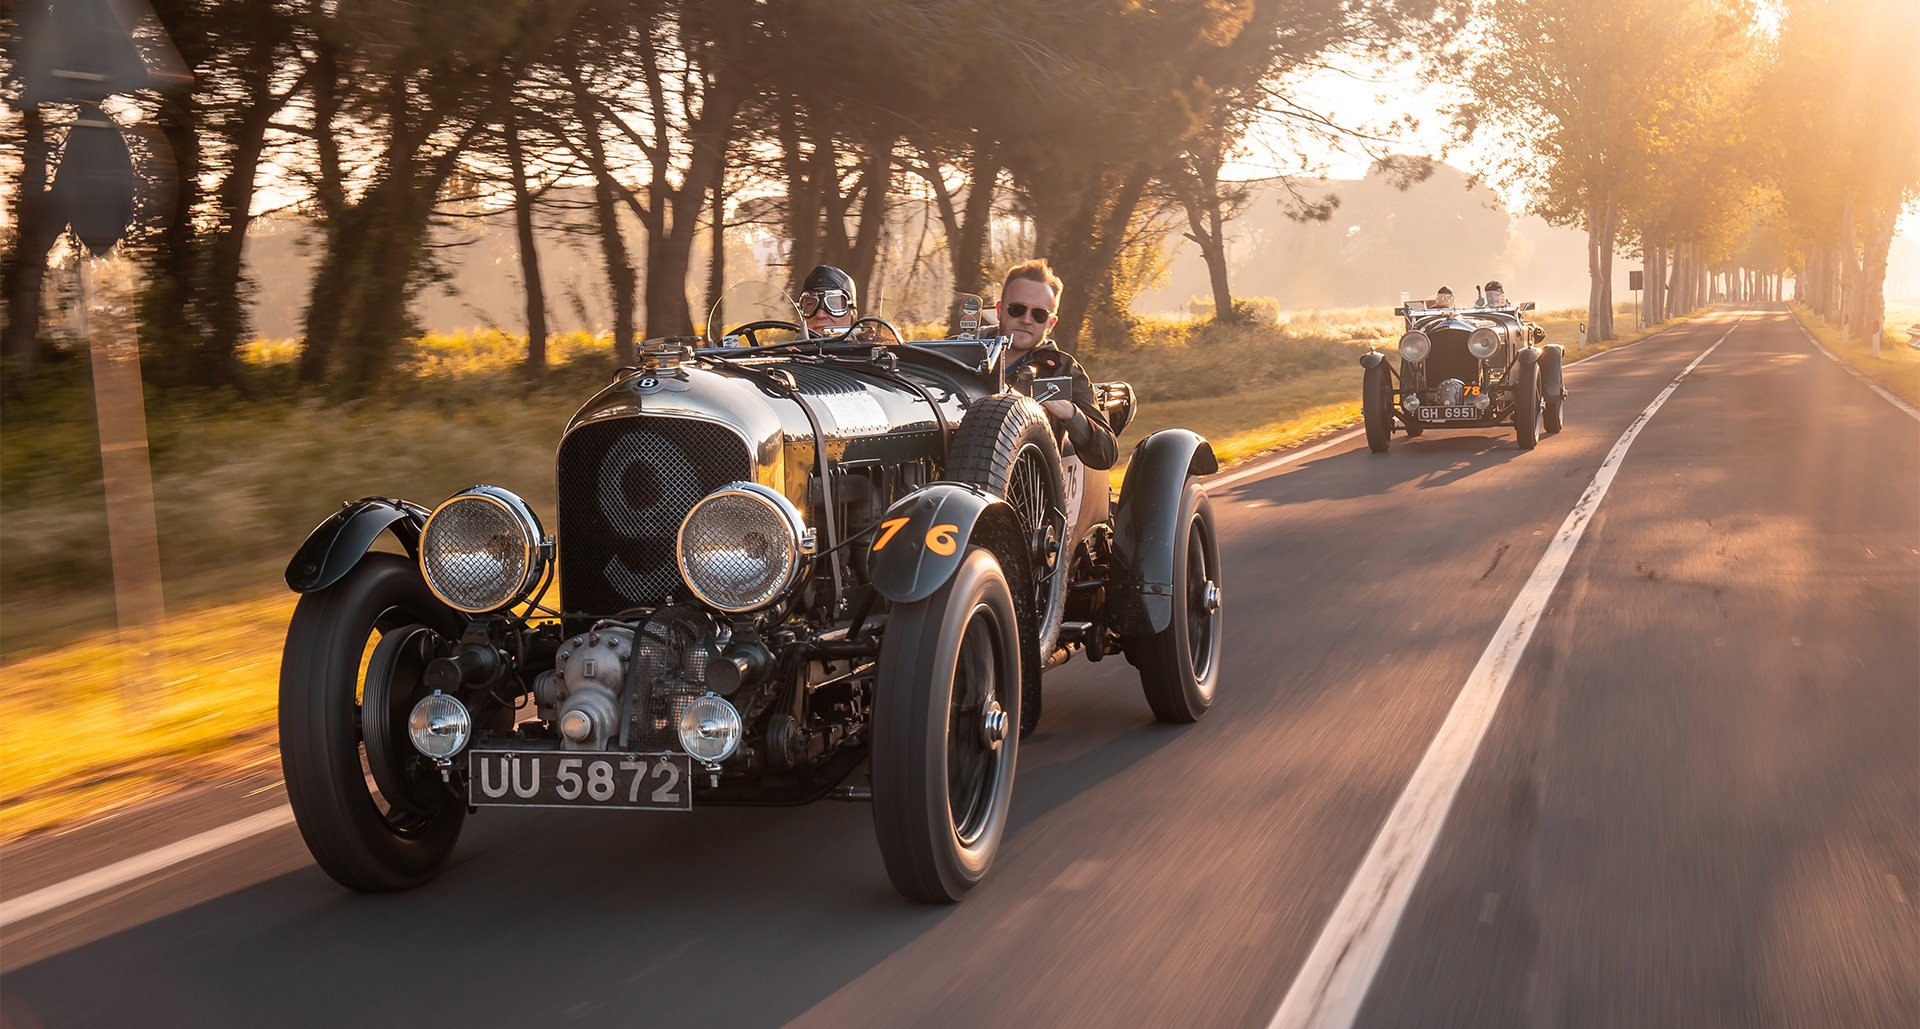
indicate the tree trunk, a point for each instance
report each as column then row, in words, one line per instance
column 876, row 184
column 622, row 283
column 1600, row 272
column 225, row 292
column 717, row 260
column 1084, row 241
column 529, row 253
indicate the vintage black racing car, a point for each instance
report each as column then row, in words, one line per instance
column 1464, row 368
column 777, row 560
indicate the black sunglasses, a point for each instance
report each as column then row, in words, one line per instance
column 835, row 301
column 1016, row 309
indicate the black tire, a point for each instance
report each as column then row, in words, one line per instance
column 1376, row 407
column 1526, row 407
column 1554, row 391
column 1180, row 665
column 942, row 787
column 1006, row 446
column 359, row 836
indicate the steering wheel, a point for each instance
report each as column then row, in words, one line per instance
column 750, row 329
column 883, row 324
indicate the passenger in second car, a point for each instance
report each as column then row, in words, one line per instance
column 1028, row 310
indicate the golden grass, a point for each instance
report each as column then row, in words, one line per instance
column 88, row 729
column 1898, row 366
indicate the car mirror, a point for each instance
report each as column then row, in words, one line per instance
column 1528, row 306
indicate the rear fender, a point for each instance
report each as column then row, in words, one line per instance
column 1551, row 383
column 337, row 544
column 1145, row 526
column 923, row 537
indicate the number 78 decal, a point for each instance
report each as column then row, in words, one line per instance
column 940, row 539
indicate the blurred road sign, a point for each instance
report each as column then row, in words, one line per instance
column 93, row 187
column 1633, row 279
column 84, row 50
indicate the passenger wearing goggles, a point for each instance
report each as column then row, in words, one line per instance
column 1028, row 311
column 827, row 300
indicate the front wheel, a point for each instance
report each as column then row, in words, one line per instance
column 1526, row 407
column 945, row 714
column 1180, row 665
column 1553, row 389
column 373, row 812
column 1376, row 407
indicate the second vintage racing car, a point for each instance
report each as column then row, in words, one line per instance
column 779, row 558
column 1463, row 368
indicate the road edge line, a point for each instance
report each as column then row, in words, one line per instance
column 1333, row 982
column 1891, row 398
column 119, row 873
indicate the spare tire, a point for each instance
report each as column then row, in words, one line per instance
column 1006, row 446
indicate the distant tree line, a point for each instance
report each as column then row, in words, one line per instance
column 1721, row 141
column 1728, row 143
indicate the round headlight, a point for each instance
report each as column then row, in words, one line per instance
column 439, row 726
column 1414, row 346
column 480, row 551
column 1483, row 342
column 740, row 547
column 709, row 729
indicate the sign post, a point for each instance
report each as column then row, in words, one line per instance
column 82, row 52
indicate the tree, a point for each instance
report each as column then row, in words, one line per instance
column 1575, row 92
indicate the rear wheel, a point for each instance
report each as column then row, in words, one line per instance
column 944, row 743
column 1376, row 407
column 1553, row 390
column 351, row 671
column 1180, row 665
column 1526, row 407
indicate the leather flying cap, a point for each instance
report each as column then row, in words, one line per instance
column 826, row 277
column 1494, row 287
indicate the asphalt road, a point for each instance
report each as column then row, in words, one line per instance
column 1697, row 803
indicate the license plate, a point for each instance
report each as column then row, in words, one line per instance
column 1447, row 414
column 577, row 778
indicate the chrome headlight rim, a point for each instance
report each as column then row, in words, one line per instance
column 1483, row 342
column 1415, row 346
column 799, row 545
column 532, row 542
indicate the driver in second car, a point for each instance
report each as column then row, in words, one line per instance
column 828, row 300
column 1028, row 310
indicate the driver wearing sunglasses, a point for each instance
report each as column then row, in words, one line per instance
column 1028, row 310
column 827, row 300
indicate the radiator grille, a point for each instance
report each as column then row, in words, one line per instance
column 624, row 486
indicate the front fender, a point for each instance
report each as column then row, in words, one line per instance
column 337, row 544
column 923, row 537
column 1145, row 526
column 1372, row 359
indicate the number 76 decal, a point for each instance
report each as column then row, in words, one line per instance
column 940, row 538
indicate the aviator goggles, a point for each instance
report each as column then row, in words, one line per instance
column 1016, row 309
column 834, row 301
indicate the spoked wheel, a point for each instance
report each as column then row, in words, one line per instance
column 352, row 670
column 1376, row 407
column 1005, row 445
column 1526, row 407
column 1180, row 665
column 944, row 741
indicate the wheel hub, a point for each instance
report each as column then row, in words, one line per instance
column 1210, row 596
column 993, row 725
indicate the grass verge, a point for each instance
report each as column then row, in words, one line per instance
column 1898, row 366
column 86, row 728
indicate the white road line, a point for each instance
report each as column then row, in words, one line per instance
column 1255, row 471
column 119, row 873
column 1338, row 972
column 1911, row 411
